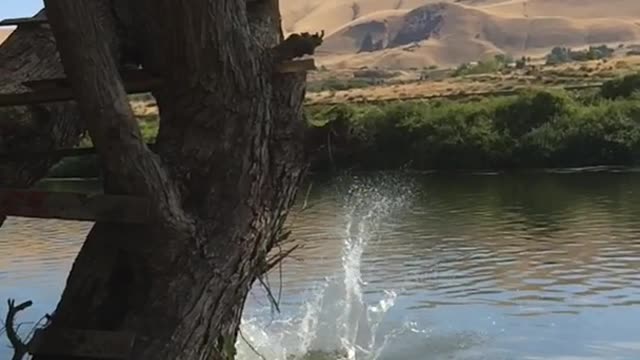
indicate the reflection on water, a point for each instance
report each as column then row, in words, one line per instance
column 531, row 266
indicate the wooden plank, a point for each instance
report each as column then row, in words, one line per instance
column 74, row 206
column 39, row 97
column 292, row 66
column 52, row 92
column 62, row 153
column 24, row 21
column 86, row 344
column 133, row 78
column 47, row 84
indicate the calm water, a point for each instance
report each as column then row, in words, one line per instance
column 484, row 266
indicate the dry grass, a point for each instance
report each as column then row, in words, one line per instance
column 580, row 9
column 407, row 84
column 410, row 87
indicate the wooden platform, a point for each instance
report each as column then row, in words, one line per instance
column 74, row 206
column 24, row 21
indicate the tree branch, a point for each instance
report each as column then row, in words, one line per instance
column 20, row 348
column 84, row 32
column 272, row 299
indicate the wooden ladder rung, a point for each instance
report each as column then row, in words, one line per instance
column 24, row 21
column 74, row 206
column 53, row 90
column 135, row 82
column 86, row 344
column 131, row 78
column 61, row 153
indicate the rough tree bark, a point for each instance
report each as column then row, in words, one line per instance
column 229, row 160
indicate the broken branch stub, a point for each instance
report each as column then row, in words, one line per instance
column 297, row 45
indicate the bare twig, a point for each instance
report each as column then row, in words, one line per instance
column 20, row 348
column 277, row 259
column 251, row 345
column 333, row 164
column 39, row 324
column 280, row 238
column 272, row 299
column 283, row 238
column 306, row 197
column 273, row 262
column 280, row 277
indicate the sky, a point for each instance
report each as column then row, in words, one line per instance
column 19, row 8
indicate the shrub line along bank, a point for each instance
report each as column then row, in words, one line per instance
column 533, row 129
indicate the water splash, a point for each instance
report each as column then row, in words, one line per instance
column 336, row 322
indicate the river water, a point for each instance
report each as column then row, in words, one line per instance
column 435, row 266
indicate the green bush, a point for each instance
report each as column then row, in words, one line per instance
column 532, row 129
column 334, row 84
column 482, row 67
column 559, row 55
column 530, row 110
column 621, row 88
column 374, row 74
column 492, row 65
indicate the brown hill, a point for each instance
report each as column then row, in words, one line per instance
column 417, row 33
column 577, row 9
column 4, row 34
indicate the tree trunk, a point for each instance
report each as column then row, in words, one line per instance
column 228, row 164
column 30, row 53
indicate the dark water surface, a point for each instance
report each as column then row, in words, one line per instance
column 485, row 266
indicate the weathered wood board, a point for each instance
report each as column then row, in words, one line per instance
column 54, row 90
column 24, row 21
column 74, row 206
column 25, row 155
column 85, row 344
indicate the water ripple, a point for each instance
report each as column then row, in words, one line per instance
column 553, row 259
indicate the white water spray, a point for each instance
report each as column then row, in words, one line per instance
column 336, row 322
